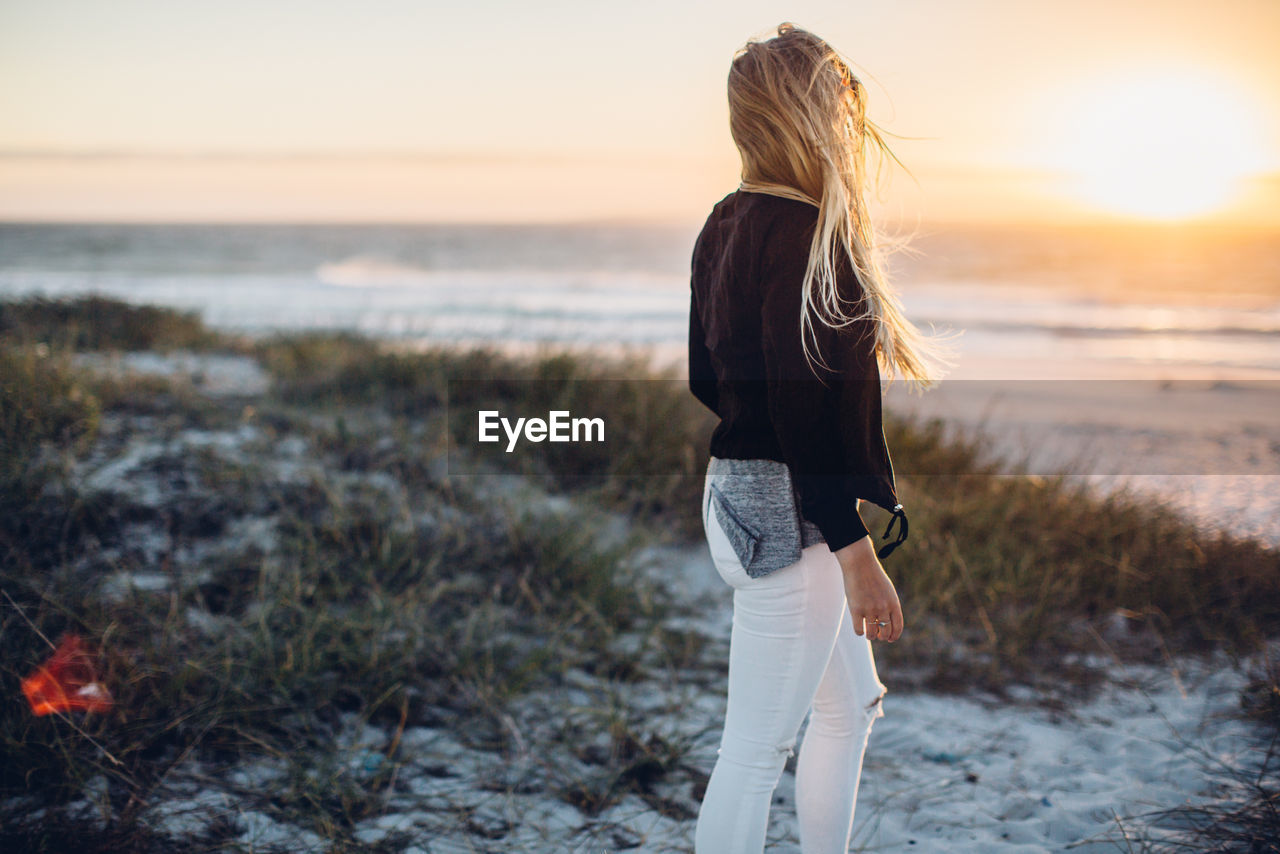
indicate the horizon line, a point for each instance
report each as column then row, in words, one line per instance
column 444, row 155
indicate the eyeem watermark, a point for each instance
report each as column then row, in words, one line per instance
column 1023, row 426
column 557, row 427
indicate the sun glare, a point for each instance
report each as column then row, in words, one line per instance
column 1168, row 146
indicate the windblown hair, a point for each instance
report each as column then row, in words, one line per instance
column 798, row 116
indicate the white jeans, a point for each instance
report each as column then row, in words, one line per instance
column 792, row 648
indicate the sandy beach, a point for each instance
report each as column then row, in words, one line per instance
column 1208, row 445
column 977, row 774
column 946, row 773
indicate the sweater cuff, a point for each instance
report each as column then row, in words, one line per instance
column 840, row 532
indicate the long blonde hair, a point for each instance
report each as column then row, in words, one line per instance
column 798, row 116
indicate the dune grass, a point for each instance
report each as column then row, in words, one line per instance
column 650, row 470
column 388, row 590
column 1021, row 569
column 437, row 609
column 102, row 323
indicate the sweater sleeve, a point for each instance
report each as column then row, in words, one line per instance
column 702, row 377
column 816, row 422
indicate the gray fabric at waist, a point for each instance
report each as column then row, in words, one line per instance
column 762, row 495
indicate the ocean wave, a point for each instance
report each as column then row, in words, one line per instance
column 370, row 271
column 371, row 294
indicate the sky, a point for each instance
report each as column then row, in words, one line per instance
column 569, row 110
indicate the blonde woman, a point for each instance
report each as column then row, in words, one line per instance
column 791, row 324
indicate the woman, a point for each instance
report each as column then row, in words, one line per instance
column 790, row 321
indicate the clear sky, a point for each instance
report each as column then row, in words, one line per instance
column 398, row 110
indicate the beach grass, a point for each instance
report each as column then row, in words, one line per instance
column 1023, row 569
column 102, row 323
column 269, row 569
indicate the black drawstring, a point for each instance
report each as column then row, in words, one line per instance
column 898, row 514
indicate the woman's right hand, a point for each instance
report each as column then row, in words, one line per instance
column 869, row 591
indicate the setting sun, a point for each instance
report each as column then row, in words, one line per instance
column 1161, row 146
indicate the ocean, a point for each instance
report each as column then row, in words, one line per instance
column 1069, row 302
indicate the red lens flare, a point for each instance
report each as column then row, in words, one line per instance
column 66, row 681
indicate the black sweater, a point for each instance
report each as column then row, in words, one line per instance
column 746, row 363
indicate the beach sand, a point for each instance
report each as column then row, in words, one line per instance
column 1210, row 446
column 958, row 774
column 944, row 773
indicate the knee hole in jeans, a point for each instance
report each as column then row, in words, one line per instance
column 846, row 721
column 757, row 754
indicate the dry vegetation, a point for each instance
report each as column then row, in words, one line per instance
column 266, row 567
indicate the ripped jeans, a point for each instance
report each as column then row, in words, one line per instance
column 792, row 648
